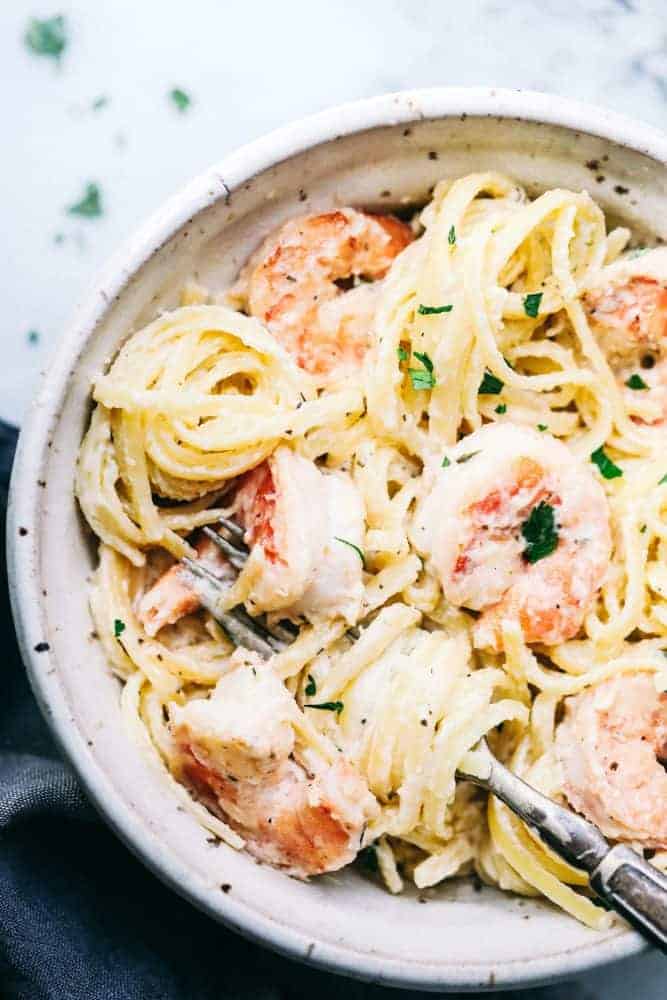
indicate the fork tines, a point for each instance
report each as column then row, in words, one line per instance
column 235, row 555
column 244, row 630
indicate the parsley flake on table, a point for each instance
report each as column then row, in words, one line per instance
column 433, row 310
column 118, row 627
column 100, row 102
column 540, row 533
column 636, row 382
column 531, row 304
column 329, row 706
column 180, row 99
column 90, row 206
column 451, row 236
column 311, row 686
column 608, row 468
column 32, row 337
column 352, row 546
column 422, row 378
column 47, row 37
column 490, row 385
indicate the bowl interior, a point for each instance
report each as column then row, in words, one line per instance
column 343, row 921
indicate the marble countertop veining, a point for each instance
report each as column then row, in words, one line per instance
column 249, row 67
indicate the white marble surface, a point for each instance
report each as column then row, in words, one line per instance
column 250, row 66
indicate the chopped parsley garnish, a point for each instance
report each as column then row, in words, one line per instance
column 48, row 37
column 329, row 706
column 445, row 463
column 636, row 382
column 311, row 686
column 118, row 627
column 490, row 385
column 531, row 304
column 501, row 408
column 403, row 355
column 542, row 427
column 642, row 530
column 466, row 458
column 663, row 480
column 33, row 337
column 608, row 468
column 352, row 546
column 90, row 206
column 540, row 533
column 433, row 310
column 180, row 99
column 425, row 360
column 451, row 236
column 422, row 378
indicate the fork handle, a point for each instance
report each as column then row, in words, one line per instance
column 636, row 890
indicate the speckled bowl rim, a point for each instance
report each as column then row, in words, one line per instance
column 25, row 588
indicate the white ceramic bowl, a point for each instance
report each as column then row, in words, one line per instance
column 376, row 152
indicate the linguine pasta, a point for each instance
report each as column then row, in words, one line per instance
column 480, row 320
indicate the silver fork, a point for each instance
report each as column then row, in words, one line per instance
column 253, row 633
column 619, row 876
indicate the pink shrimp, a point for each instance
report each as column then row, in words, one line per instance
column 612, row 746
column 290, row 284
column 238, row 756
column 517, row 529
column 256, row 502
column 172, row 596
column 627, row 308
column 294, row 516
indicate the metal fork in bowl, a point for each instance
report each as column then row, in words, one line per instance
column 252, row 633
column 619, row 876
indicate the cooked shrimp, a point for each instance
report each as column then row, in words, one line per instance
column 238, row 755
column 627, row 307
column 294, row 517
column 172, row 596
column 290, row 284
column 518, row 529
column 612, row 745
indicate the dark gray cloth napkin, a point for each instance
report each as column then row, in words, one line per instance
column 80, row 917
